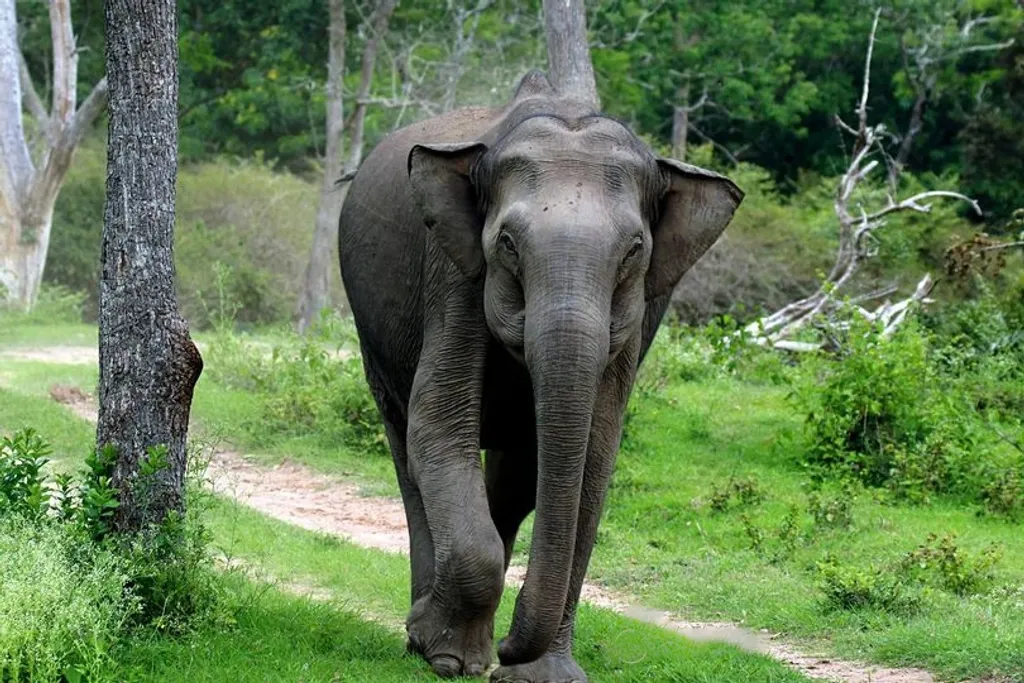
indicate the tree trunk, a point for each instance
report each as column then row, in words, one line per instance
column 29, row 188
column 316, row 291
column 148, row 363
column 681, row 124
column 569, row 67
column 913, row 129
column 23, row 248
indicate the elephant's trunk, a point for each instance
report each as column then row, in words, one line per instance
column 566, row 352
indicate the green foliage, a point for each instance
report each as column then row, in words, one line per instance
column 312, row 385
column 876, row 412
column 72, row 588
column 833, row 511
column 954, row 569
column 1003, row 496
column 63, row 603
column 851, row 588
column 241, row 228
column 56, row 304
column 736, row 493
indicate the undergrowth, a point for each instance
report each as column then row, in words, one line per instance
column 72, row 588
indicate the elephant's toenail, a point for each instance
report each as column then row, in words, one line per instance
column 446, row 666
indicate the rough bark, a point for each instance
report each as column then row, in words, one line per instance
column 148, row 363
column 569, row 67
column 316, row 290
column 29, row 187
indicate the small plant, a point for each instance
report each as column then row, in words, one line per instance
column 22, row 483
column 852, row 588
column 780, row 544
column 832, row 512
column 951, row 567
column 736, row 493
column 1003, row 496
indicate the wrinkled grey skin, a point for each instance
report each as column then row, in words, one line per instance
column 507, row 270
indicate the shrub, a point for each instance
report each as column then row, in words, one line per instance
column 242, row 214
column 832, row 511
column 70, row 587
column 851, row 588
column 55, row 304
column 736, row 493
column 884, row 412
column 309, row 385
column 1003, row 495
column 941, row 561
column 63, row 605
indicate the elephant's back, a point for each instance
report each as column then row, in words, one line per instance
column 381, row 240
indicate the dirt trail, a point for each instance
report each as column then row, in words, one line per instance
column 296, row 494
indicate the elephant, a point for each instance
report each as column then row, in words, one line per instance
column 506, row 269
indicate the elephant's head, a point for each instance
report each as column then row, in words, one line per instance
column 574, row 225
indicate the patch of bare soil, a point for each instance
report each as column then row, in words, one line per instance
column 296, row 494
column 65, row 355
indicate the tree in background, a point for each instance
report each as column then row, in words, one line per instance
column 34, row 161
column 148, row 363
column 334, row 185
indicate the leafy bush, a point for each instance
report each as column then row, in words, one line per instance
column 832, row 511
column 63, row 604
column 55, row 304
column 940, row 560
column 256, row 221
column 736, row 493
column 312, row 385
column 70, row 587
column 1003, row 495
column 851, row 588
column 888, row 412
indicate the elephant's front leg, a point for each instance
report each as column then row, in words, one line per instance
column 558, row 665
column 452, row 626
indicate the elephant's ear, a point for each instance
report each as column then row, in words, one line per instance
column 695, row 209
column 440, row 177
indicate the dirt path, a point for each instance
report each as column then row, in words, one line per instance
column 296, row 494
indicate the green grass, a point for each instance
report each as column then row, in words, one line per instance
column 661, row 542
column 611, row 648
column 659, row 539
column 356, row 635
column 70, row 437
column 29, row 335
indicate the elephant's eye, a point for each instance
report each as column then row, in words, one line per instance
column 505, row 240
column 634, row 250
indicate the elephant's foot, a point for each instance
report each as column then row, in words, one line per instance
column 551, row 668
column 450, row 647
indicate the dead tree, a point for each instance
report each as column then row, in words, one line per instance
column 569, row 67
column 148, row 363
column 316, row 290
column 856, row 242
column 32, row 167
column 937, row 47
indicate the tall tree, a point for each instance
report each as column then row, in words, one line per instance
column 570, row 69
column 148, row 363
column 33, row 166
column 334, row 186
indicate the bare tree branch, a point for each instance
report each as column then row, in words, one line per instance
column 30, row 97
column 856, row 243
column 65, row 62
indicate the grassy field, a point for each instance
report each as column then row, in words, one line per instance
column 351, row 629
column 662, row 539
